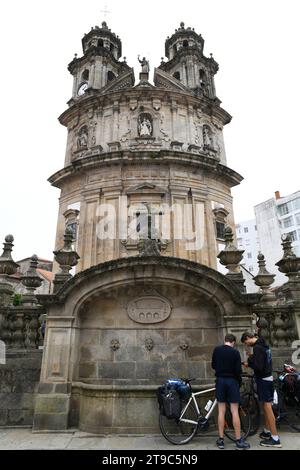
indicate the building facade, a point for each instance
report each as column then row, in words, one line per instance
column 275, row 217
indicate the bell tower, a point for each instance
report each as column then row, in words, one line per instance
column 187, row 63
column 100, row 63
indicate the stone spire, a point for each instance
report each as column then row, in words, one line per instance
column 289, row 263
column 263, row 278
column 7, row 267
column 31, row 280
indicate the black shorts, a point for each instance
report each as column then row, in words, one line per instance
column 265, row 390
column 227, row 390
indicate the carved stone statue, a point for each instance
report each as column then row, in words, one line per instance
column 144, row 125
column 207, row 140
column 82, row 139
column 145, row 64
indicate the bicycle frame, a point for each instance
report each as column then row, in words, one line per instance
column 192, row 398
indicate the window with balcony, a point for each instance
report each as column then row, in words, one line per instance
column 246, row 230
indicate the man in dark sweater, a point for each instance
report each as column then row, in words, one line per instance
column 261, row 362
column 226, row 361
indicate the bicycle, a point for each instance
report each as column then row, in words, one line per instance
column 287, row 408
column 250, row 401
column 191, row 420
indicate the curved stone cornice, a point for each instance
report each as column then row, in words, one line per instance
column 127, row 157
column 187, row 52
column 202, row 273
column 96, row 99
column 90, row 55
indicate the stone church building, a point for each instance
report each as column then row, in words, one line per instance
column 144, row 226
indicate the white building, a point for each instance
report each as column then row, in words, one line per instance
column 247, row 240
column 275, row 217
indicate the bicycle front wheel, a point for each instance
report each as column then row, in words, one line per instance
column 179, row 432
column 245, row 420
column 250, row 402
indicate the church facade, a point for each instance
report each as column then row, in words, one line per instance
column 144, row 220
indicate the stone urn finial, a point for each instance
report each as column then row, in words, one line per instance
column 230, row 256
column 263, row 279
column 289, row 263
column 7, row 264
column 31, row 280
column 66, row 257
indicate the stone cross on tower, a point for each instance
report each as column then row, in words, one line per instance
column 105, row 11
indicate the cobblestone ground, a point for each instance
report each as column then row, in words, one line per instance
column 24, row 438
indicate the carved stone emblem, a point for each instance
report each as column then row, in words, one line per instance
column 114, row 344
column 149, row 343
column 149, row 309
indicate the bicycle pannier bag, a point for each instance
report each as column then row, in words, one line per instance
column 169, row 402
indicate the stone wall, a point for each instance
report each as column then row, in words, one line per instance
column 19, row 379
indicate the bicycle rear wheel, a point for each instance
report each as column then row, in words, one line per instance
column 245, row 420
column 287, row 411
column 250, row 402
column 178, row 432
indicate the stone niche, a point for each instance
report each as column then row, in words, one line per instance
column 132, row 335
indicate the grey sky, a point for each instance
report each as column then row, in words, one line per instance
column 256, row 44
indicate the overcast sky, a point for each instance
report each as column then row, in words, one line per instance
column 256, row 44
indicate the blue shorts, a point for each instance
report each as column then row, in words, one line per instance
column 265, row 390
column 227, row 390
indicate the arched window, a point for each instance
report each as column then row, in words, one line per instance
column 110, row 76
column 174, row 49
column 202, row 74
column 111, row 47
column 100, row 43
column 185, row 43
column 85, row 75
column 176, row 75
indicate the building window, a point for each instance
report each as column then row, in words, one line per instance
column 296, row 203
column 249, row 255
column 250, row 269
column 246, row 230
column 85, row 75
column 255, row 227
column 293, row 235
column 220, row 229
column 185, row 43
column 73, row 227
column 176, row 75
column 284, row 209
column 297, row 218
column 110, row 76
column 288, row 222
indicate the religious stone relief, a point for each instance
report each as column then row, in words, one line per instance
column 125, row 123
column 82, row 139
column 145, row 127
column 93, row 125
column 161, row 128
column 149, row 309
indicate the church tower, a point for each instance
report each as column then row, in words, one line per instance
column 141, row 152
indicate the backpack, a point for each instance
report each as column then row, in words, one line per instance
column 169, row 402
column 171, row 397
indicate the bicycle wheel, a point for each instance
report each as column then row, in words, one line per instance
column 287, row 411
column 245, row 420
column 250, row 402
column 178, row 432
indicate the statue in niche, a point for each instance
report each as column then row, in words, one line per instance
column 207, row 138
column 145, row 64
column 82, row 139
column 145, row 125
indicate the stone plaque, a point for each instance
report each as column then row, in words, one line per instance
column 149, row 309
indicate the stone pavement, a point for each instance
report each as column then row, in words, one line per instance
column 24, row 438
